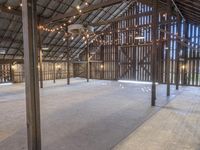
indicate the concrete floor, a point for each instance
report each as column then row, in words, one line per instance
column 175, row 127
column 89, row 116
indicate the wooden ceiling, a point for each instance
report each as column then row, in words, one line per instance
column 52, row 12
column 190, row 9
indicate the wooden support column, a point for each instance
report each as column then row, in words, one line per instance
column 88, row 61
column 169, row 47
column 161, row 51
column 102, row 67
column 68, row 63
column 115, row 41
column 31, row 74
column 154, row 51
column 135, row 48
column 54, row 72
column 186, row 28
column 11, row 73
column 40, row 63
column 178, row 46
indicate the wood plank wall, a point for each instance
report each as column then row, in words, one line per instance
column 17, row 72
column 5, row 73
column 121, row 56
column 126, row 58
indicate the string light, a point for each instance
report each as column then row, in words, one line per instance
column 9, row 7
column 21, row 4
column 165, row 15
column 78, row 7
column 183, row 67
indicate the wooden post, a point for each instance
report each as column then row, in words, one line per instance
column 11, row 73
column 88, row 61
column 154, row 51
column 115, row 38
column 168, row 45
column 177, row 53
column 40, row 54
column 161, row 51
column 186, row 28
column 68, row 63
column 31, row 74
column 102, row 67
column 54, row 72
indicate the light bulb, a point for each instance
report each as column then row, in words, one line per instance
column 78, row 7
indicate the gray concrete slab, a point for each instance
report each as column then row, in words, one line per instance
column 175, row 127
column 82, row 116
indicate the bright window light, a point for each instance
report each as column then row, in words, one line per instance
column 5, row 84
column 135, row 82
column 45, row 48
column 139, row 37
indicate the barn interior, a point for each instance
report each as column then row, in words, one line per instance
column 99, row 74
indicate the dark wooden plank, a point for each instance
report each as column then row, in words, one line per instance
column 154, row 52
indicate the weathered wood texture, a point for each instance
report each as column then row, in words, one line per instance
column 30, row 37
column 130, row 59
column 116, row 54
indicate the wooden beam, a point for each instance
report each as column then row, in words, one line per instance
column 41, row 59
column 68, row 62
column 186, row 30
column 85, row 10
column 102, row 67
column 41, row 69
column 31, row 74
column 115, row 38
column 88, row 61
column 169, row 47
column 178, row 47
column 154, row 51
column 54, row 72
column 106, row 22
column 11, row 73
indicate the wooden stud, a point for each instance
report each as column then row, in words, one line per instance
column 40, row 59
column 88, row 61
column 154, row 52
column 31, row 74
column 168, row 47
column 177, row 53
column 54, row 72
column 68, row 63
